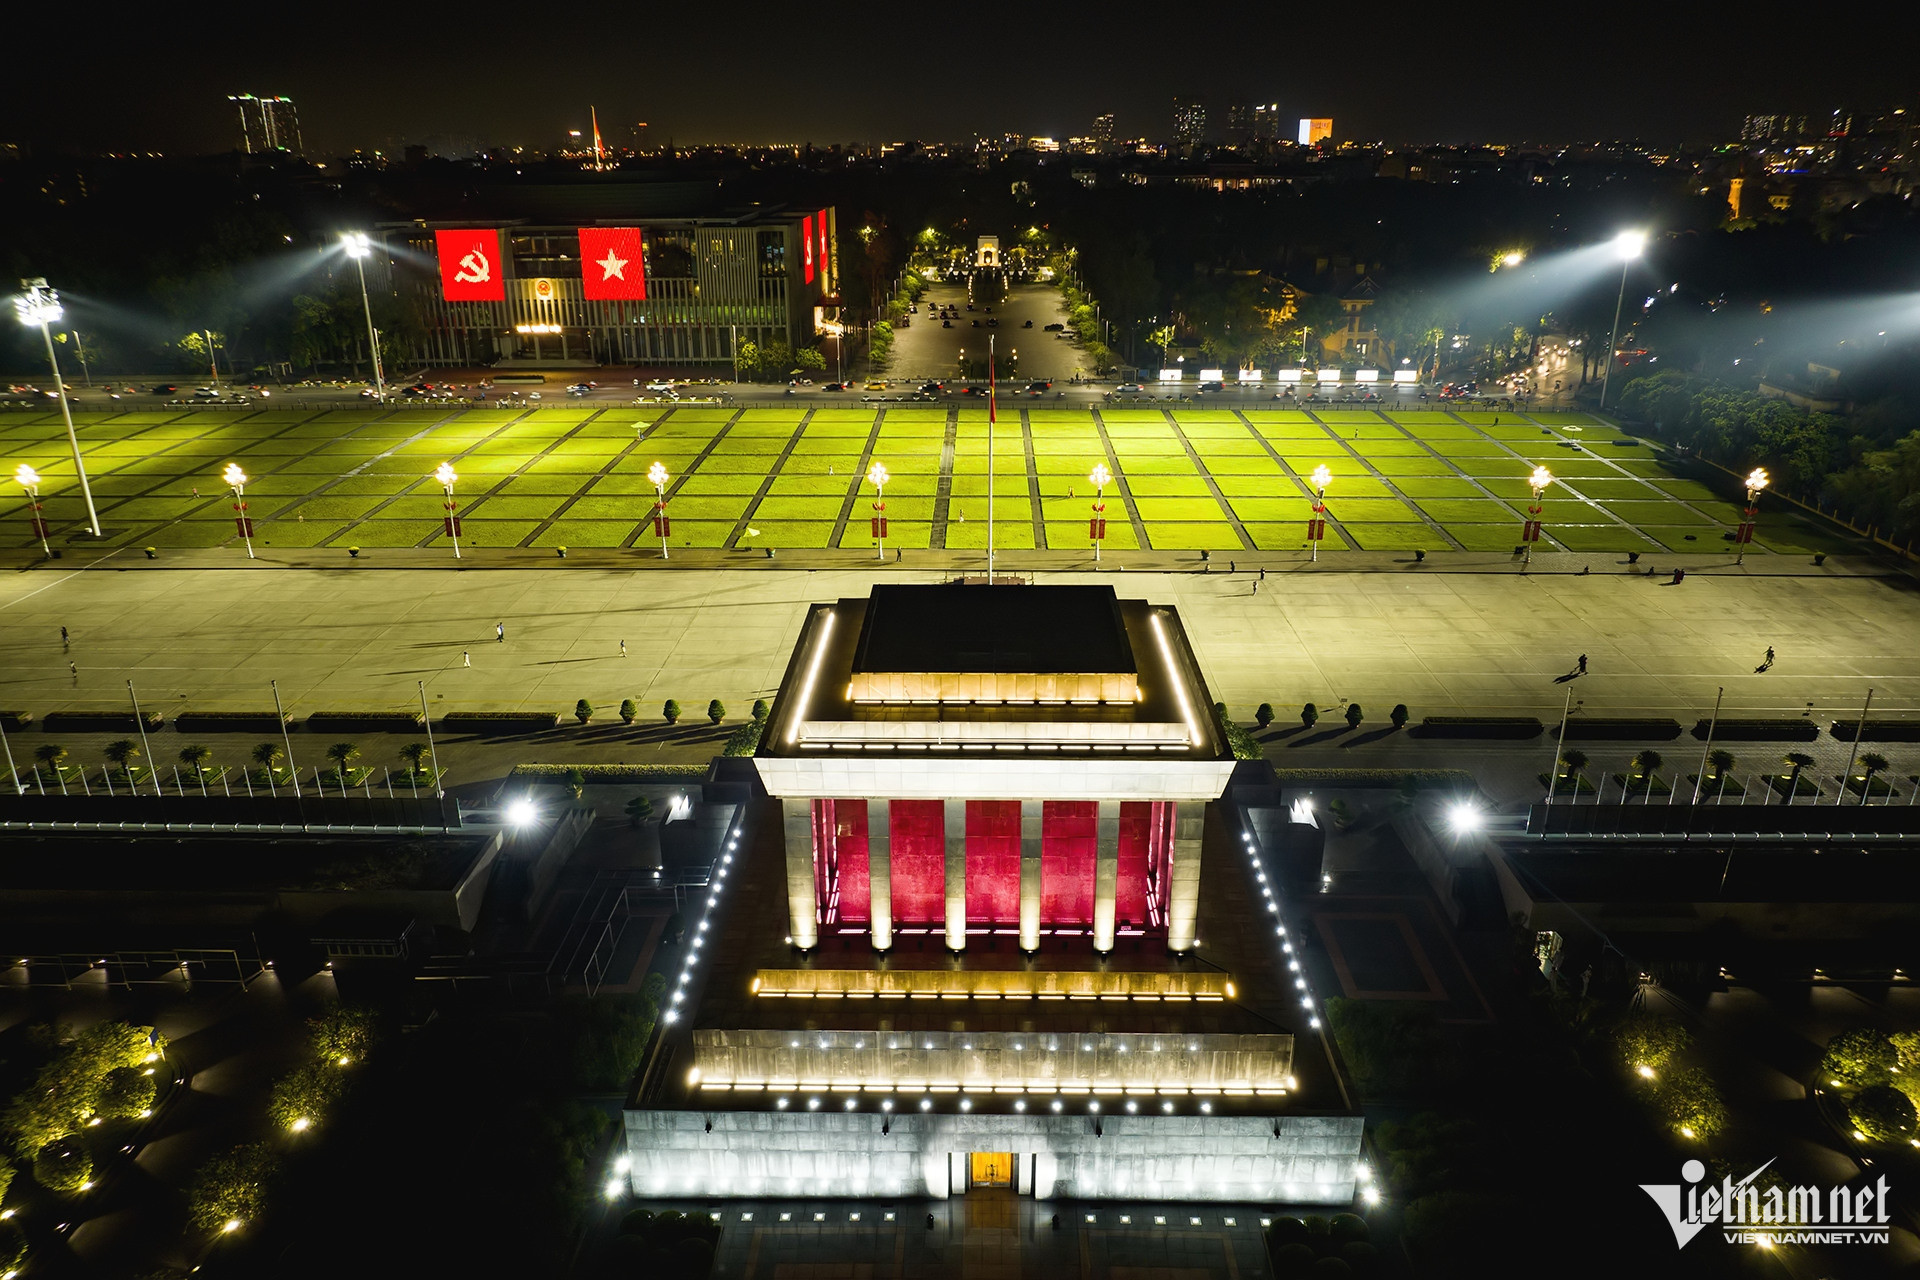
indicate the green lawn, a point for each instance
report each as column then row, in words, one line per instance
column 576, row 476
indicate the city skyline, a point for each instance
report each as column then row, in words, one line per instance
column 1452, row 84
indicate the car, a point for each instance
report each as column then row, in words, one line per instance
column 993, row 322
column 579, row 388
column 929, row 388
column 164, row 389
column 876, row 385
column 1027, row 325
column 1213, row 386
column 1055, row 327
column 1040, row 384
column 660, row 384
column 209, row 393
column 835, row 386
column 969, row 306
column 1130, row 388
column 946, row 324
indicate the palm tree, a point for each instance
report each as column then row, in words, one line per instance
column 123, row 753
column 267, row 756
column 1719, row 760
column 195, row 757
column 1645, row 761
column 415, row 754
column 342, row 754
column 50, row 757
column 1873, row 762
column 1798, row 760
column 1572, row 761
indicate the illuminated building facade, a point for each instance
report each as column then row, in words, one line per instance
column 1314, row 129
column 1189, row 120
column 965, row 940
column 267, row 125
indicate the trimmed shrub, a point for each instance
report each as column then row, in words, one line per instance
column 1398, row 715
column 232, row 1187
column 63, row 1165
column 1286, row 1231
column 762, row 708
column 99, row 721
column 499, row 723
column 745, row 740
column 583, row 711
column 1800, row 730
column 716, row 711
column 1621, row 728
column 1292, row 1260
column 613, row 772
column 1362, row 1256
column 1883, row 1114
column 13, row 1248
column 1645, row 1040
column 366, row 722
column 1691, row 1104
column 1479, row 727
column 1354, row 715
column 1263, row 714
column 125, row 1093
column 1860, row 1057
column 636, row 1222
column 229, row 721
column 1308, row 714
column 628, row 710
column 639, row 809
column 1876, row 730
column 671, row 710
column 1347, row 1226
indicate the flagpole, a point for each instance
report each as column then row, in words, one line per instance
column 990, row 417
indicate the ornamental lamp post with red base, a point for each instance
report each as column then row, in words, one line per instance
column 444, row 473
column 877, row 477
column 1317, row 526
column 662, row 525
column 29, row 479
column 1757, row 479
column 1530, row 530
column 1100, row 478
column 237, row 482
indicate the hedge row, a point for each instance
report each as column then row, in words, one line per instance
column 1620, row 728
column 99, row 721
column 614, row 772
column 499, row 722
column 1878, row 730
column 1480, row 727
column 1798, row 730
column 1421, row 778
column 15, row 720
column 366, row 722
column 230, row 722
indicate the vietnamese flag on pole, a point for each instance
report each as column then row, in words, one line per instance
column 611, row 265
column 806, row 249
column 470, row 265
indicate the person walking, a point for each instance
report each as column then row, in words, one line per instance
column 1583, row 664
column 73, row 670
column 1263, row 573
column 623, row 648
column 466, row 657
column 63, row 634
column 63, row 639
column 500, row 632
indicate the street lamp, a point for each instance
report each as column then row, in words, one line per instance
column 1100, row 478
column 29, row 479
column 237, row 482
column 1757, row 479
column 1530, row 531
column 40, row 305
column 1317, row 527
column 445, row 474
column 657, row 473
column 358, row 246
column 877, row 477
column 1629, row 245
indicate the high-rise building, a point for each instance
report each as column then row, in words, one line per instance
column 1189, row 120
column 1314, row 130
column 267, row 125
column 1252, row 122
column 1772, row 128
column 1104, row 130
column 1266, row 122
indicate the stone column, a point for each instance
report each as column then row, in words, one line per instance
column 1031, row 814
column 955, row 818
column 796, row 821
column 1183, row 875
column 1106, row 873
column 880, row 873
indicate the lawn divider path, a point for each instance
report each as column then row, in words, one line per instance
column 1201, row 469
column 943, row 487
column 1333, row 430
column 766, row 482
column 1120, row 484
column 1295, row 476
column 860, row 476
column 686, row 472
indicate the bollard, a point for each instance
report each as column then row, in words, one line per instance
column 151, row 553
column 354, row 552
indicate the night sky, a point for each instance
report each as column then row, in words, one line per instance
column 753, row 72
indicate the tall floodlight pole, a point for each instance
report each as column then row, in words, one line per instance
column 1757, row 480
column 1100, row 478
column 433, row 752
column 358, row 246
column 40, row 306
column 1629, row 245
column 29, row 479
column 657, row 473
column 991, row 400
column 293, row 770
column 446, row 475
column 1530, row 531
column 877, row 477
column 237, row 484
column 1317, row 527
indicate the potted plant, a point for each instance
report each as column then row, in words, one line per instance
column 1354, row 715
column 628, row 710
column 761, row 709
column 671, row 711
column 1398, row 715
column 1309, row 714
column 1263, row 714
column 583, row 711
column 716, row 711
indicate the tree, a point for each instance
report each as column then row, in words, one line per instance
column 639, row 809
column 1871, row 762
column 671, row 710
column 195, row 756
column 126, row 1092
column 342, row 754
column 343, row 1035
column 416, row 755
column 267, row 755
column 1881, row 1113
column 50, row 756
column 1354, row 715
column 1864, row 1056
column 1719, row 760
column 1692, row 1104
column 628, row 710
column 122, row 753
column 1797, row 761
column 583, row 711
column 716, row 711
column 231, row 1189
column 762, row 708
column 747, row 359
column 1572, row 761
column 63, row 1165
column 1645, row 761
column 303, row 1097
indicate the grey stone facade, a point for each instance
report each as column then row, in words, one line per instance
column 1282, row 1159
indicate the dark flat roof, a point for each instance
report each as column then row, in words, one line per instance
column 1039, row 630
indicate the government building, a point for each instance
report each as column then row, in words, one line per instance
column 987, row 922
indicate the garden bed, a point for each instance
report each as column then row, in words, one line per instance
column 1479, row 727
column 1795, row 730
column 1874, row 731
column 499, row 723
column 612, row 772
column 366, row 722
column 230, row 722
column 1621, row 728
column 99, row 721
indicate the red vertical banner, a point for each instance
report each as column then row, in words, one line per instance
column 612, row 264
column 1069, row 830
column 806, row 248
column 917, row 860
column 1136, row 838
column 826, row 249
column 470, row 266
column 848, row 818
column 993, row 862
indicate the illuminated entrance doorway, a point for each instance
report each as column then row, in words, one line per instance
column 991, row 1169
